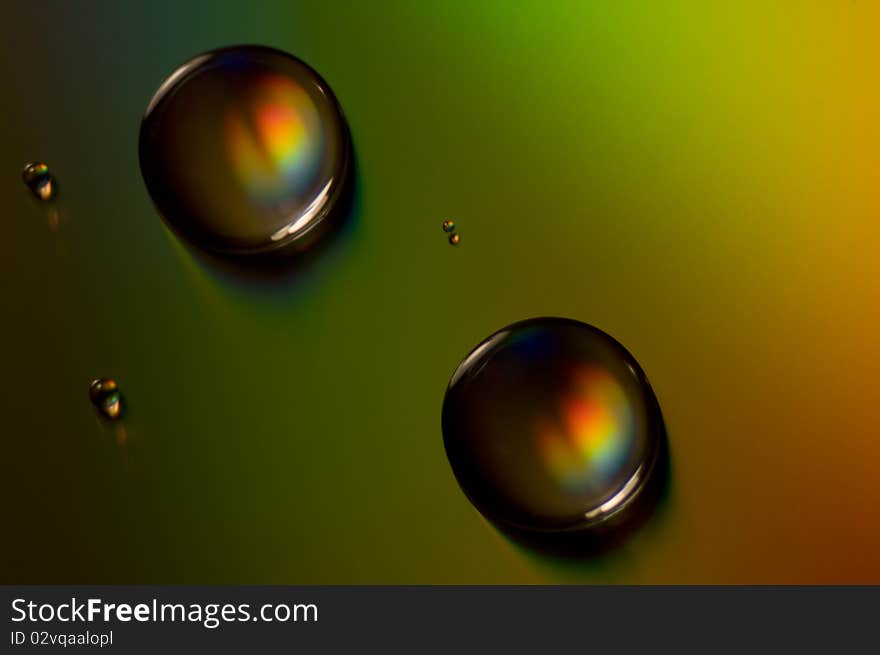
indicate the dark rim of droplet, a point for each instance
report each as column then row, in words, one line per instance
column 626, row 507
column 152, row 177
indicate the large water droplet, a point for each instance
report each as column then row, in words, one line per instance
column 106, row 398
column 454, row 239
column 551, row 428
column 39, row 180
column 245, row 150
column 448, row 225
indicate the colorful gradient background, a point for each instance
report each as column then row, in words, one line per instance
column 701, row 182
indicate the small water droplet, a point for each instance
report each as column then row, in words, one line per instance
column 245, row 150
column 448, row 226
column 551, row 428
column 39, row 180
column 106, row 398
column 454, row 239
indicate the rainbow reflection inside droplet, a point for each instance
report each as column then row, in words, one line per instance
column 245, row 150
column 587, row 439
column 37, row 177
column 106, row 398
column 551, row 426
column 274, row 144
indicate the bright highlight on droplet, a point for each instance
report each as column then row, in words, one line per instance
column 551, row 428
column 244, row 150
column 106, row 398
column 39, row 180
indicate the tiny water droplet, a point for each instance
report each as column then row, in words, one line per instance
column 106, row 398
column 551, row 428
column 448, row 226
column 245, row 151
column 454, row 239
column 39, row 180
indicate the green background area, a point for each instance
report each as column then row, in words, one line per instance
column 700, row 182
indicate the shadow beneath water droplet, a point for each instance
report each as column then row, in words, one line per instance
column 118, row 428
column 52, row 210
column 278, row 275
column 595, row 554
